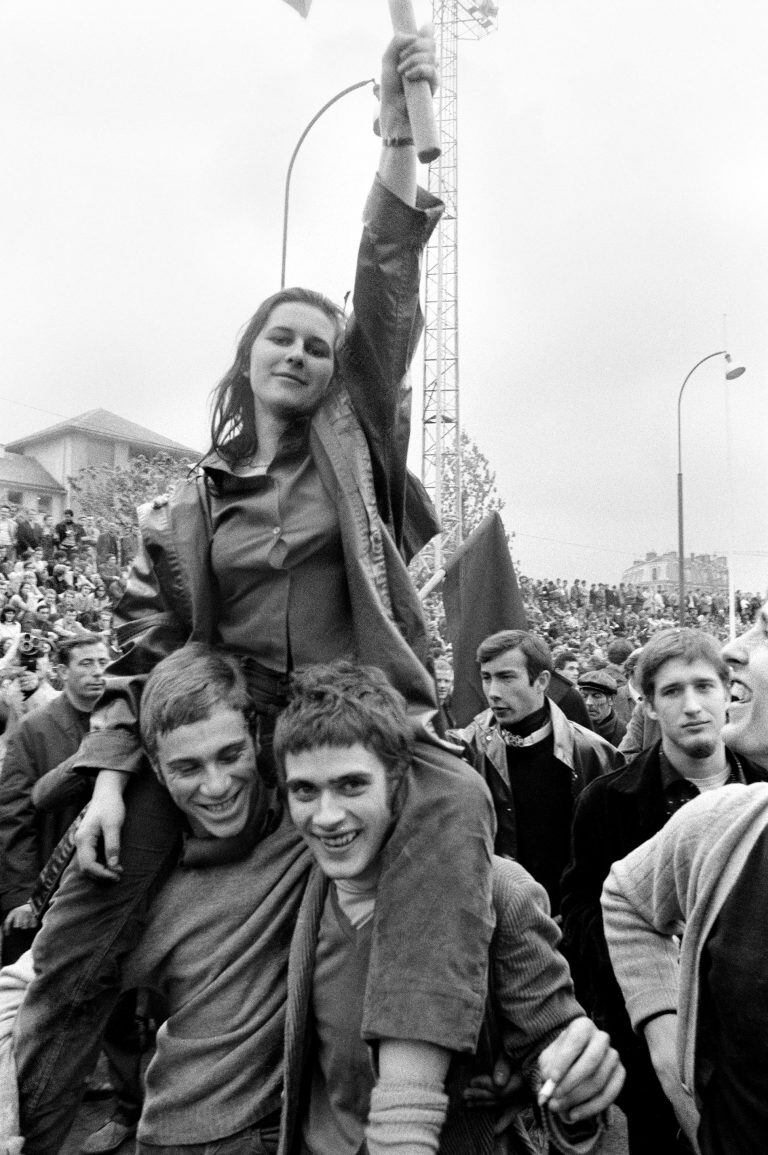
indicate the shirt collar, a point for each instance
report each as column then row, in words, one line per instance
column 294, row 441
column 670, row 776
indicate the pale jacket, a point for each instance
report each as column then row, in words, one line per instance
column 678, row 881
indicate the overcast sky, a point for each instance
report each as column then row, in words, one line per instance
column 613, row 207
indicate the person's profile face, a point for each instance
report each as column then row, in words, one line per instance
column 508, row 688
column 746, row 730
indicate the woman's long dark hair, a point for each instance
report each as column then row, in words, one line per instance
column 233, row 424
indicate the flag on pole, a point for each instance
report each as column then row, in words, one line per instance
column 480, row 596
column 301, row 6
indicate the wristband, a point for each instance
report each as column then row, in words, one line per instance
column 396, row 141
column 407, row 1117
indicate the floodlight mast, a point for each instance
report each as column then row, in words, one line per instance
column 441, row 428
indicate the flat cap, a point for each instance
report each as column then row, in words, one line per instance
column 598, row 680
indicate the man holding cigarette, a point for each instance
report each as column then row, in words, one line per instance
column 341, row 747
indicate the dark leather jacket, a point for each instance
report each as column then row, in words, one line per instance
column 582, row 753
column 359, row 441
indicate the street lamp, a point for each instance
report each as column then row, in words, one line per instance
column 294, row 154
column 730, row 375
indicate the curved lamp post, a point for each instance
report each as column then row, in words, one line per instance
column 294, row 154
column 730, row 375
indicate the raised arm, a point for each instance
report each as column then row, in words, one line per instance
column 412, row 58
column 386, row 324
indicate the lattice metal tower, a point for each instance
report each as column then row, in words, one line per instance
column 441, row 430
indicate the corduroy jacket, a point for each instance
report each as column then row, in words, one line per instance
column 530, row 1002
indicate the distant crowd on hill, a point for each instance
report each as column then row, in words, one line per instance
column 585, row 617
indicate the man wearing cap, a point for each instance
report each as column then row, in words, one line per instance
column 598, row 689
column 686, row 688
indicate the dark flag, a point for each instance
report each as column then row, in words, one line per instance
column 301, row 6
column 481, row 596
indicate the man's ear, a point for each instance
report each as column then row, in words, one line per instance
column 542, row 680
column 648, row 707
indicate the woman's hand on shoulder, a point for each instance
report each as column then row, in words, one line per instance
column 101, row 826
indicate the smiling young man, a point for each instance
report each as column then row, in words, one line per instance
column 217, row 940
column 686, row 690
column 342, row 746
column 746, row 730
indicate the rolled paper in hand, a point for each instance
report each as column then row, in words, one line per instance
column 418, row 95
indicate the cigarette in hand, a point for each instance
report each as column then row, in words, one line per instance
column 545, row 1094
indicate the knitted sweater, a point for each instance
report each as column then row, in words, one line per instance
column 678, row 880
column 531, row 1002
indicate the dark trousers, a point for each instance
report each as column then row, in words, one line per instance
column 652, row 1126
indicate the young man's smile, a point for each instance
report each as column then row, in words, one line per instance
column 209, row 769
column 339, row 800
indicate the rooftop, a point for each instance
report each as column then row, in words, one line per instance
column 102, row 423
column 15, row 469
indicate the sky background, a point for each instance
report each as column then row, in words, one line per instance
column 613, row 207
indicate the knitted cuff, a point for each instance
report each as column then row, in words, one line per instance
column 406, row 1116
column 567, row 1138
column 573, row 1138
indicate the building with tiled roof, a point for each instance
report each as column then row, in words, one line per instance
column 35, row 470
column 24, row 481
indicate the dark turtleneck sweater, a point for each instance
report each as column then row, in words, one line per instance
column 542, row 801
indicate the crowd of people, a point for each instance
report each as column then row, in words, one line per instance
column 368, row 930
column 585, row 617
column 56, row 580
